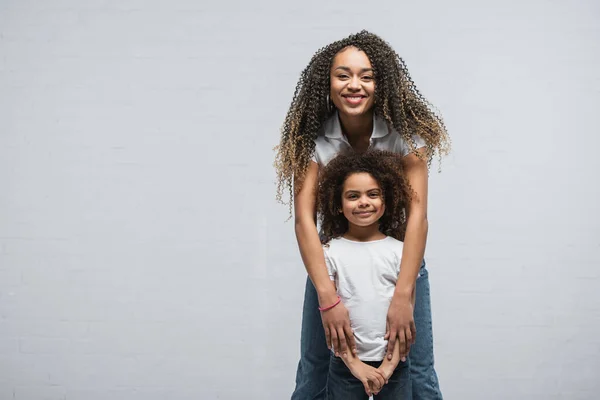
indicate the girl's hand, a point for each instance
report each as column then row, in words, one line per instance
column 400, row 325
column 338, row 333
column 371, row 378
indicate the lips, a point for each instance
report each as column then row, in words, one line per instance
column 354, row 99
column 364, row 213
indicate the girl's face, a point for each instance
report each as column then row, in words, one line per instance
column 362, row 199
column 352, row 88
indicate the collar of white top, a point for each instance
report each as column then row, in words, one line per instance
column 333, row 128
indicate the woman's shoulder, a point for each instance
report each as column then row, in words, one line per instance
column 392, row 140
column 327, row 145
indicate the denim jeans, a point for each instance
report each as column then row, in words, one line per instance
column 313, row 367
column 342, row 385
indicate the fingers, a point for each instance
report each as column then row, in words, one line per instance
column 409, row 338
column 378, row 379
column 413, row 329
column 402, row 343
column 334, row 342
column 343, row 345
column 350, row 337
column 328, row 338
column 391, row 342
column 387, row 331
column 365, row 383
column 345, row 357
column 409, row 341
column 374, row 388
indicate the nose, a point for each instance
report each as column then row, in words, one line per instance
column 363, row 201
column 354, row 84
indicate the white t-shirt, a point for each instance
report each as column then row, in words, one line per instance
column 331, row 141
column 365, row 274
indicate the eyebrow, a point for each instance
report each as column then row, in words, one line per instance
column 358, row 191
column 349, row 70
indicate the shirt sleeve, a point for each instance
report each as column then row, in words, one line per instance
column 315, row 154
column 398, row 257
column 330, row 267
column 405, row 147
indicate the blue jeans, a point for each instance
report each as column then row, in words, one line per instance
column 342, row 385
column 313, row 367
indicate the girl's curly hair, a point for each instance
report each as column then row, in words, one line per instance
column 386, row 168
column 397, row 100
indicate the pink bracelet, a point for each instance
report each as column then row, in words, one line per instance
column 331, row 306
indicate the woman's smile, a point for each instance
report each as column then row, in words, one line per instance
column 352, row 83
column 353, row 99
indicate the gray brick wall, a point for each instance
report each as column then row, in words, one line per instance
column 142, row 254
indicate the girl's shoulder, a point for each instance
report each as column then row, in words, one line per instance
column 333, row 242
column 343, row 242
column 395, row 243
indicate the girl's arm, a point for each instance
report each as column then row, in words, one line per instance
column 400, row 320
column 372, row 378
column 336, row 321
column 388, row 366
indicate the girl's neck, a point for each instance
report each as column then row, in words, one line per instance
column 357, row 128
column 364, row 233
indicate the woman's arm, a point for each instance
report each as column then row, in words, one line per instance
column 400, row 318
column 387, row 366
column 336, row 321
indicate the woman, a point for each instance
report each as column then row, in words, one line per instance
column 356, row 94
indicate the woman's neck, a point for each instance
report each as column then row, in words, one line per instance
column 357, row 129
column 364, row 233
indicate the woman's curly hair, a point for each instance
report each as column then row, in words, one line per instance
column 386, row 168
column 397, row 100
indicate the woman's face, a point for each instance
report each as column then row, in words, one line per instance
column 352, row 87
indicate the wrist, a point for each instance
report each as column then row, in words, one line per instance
column 327, row 308
column 327, row 296
column 404, row 292
column 386, row 368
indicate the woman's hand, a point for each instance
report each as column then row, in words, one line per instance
column 400, row 325
column 338, row 332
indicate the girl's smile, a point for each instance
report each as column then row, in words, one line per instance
column 362, row 201
column 364, row 213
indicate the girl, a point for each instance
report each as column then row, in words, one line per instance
column 356, row 94
column 361, row 202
